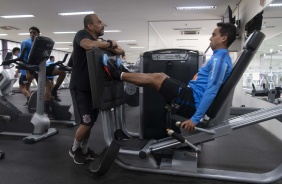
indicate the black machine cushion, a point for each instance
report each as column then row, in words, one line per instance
column 106, row 93
column 242, row 62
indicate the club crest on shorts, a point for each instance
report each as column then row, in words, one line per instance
column 86, row 118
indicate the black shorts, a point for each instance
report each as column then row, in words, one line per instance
column 180, row 96
column 82, row 106
column 23, row 80
column 49, row 71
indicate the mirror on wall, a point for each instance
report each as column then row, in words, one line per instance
column 263, row 77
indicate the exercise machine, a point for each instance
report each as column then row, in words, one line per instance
column 2, row 154
column 60, row 113
column 168, row 155
column 34, row 126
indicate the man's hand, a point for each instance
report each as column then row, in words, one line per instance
column 188, row 125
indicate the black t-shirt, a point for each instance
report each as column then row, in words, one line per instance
column 80, row 75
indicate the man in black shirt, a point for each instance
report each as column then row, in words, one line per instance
column 85, row 115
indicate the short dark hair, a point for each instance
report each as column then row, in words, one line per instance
column 229, row 30
column 52, row 57
column 88, row 20
column 15, row 49
column 35, row 29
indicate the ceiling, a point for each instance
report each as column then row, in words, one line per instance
column 137, row 20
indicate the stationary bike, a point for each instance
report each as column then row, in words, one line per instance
column 2, row 154
column 60, row 113
column 12, row 121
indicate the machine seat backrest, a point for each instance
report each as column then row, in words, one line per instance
column 106, row 93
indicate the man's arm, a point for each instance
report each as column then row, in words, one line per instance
column 88, row 44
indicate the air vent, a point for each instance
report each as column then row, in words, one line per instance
column 187, row 39
column 189, row 32
column 9, row 28
column 268, row 27
column 132, row 44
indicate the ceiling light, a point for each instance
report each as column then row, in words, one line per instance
column 16, row 16
column 23, row 33
column 275, row 5
column 137, row 47
column 66, row 32
column 62, row 42
column 124, row 41
column 280, row 45
column 76, row 13
column 64, row 48
column 3, row 34
column 26, row 34
column 195, row 7
column 112, row 31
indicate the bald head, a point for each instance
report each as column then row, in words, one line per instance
column 89, row 19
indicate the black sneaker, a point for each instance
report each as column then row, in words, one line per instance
column 26, row 104
column 77, row 156
column 90, row 155
column 125, row 69
column 112, row 67
column 47, row 108
column 56, row 97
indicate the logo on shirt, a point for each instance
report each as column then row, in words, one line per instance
column 86, row 118
column 195, row 77
column 175, row 106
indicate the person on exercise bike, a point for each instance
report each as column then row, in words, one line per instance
column 193, row 99
column 50, row 71
column 23, row 82
column 85, row 115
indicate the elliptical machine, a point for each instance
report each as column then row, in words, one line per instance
column 13, row 122
column 60, row 113
column 2, row 154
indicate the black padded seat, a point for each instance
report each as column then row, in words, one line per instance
column 106, row 93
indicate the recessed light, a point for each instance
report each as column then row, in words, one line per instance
column 63, row 48
column 195, row 7
column 65, row 32
column 275, row 5
column 3, row 34
column 26, row 34
column 76, row 13
column 137, row 47
column 125, row 41
column 112, row 31
column 16, row 16
column 62, row 42
column 23, row 33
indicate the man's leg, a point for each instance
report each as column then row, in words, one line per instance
column 61, row 76
column 86, row 116
column 154, row 80
column 47, row 98
column 23, row 83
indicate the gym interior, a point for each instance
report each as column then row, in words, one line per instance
column 243, row 143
